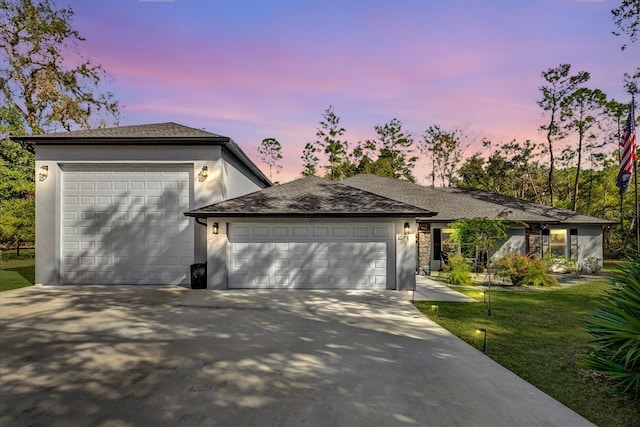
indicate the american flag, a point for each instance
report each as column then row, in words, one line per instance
column 629, row 155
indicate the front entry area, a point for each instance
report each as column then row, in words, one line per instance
column 310, row 255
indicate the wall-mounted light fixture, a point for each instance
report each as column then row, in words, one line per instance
column 407, row 228
column 43, row 173
column 484, row 338
column 214, row 228
column 203, row 174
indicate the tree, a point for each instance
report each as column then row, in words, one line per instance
column 42, row 77
column 560, row 85
column 395, row 157
column 511, row 169
column 270, row 153
column 310, row 159
column 17, row 186
column 16, row 164
column 472, row 174
column 615, row 115
column 627, row 19
column 329, row 139
column 17, row 219
column 480, row 236
column 579, row 111
column 446, row 153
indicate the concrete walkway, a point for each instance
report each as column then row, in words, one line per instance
column 168, row 356
column 428, row 289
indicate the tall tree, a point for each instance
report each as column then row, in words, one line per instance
column 16, row 164
column 42, row 75
column 396, row 151
column 627, row 19
column 579, row 113
column 615, row 115
column 329, row 136
column 270, row 152
column 309, row 159
column 559, row 85
column 446, row 149
column 472, row 173
column 17, row 186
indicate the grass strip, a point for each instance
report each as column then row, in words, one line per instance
column 540, row 336
column 16, row 272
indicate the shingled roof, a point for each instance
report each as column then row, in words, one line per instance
column 150, row 134
column 456, row 203
column 311, row 197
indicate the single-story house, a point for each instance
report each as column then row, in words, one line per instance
column 537, row 228
column 110, row 202
column 144, row 204
column 368, row 232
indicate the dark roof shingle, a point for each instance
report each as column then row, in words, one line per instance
column 156, row 131
column 456, row 203
column 311, row 196
column 150, row 134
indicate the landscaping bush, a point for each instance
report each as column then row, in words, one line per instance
column 615, row 327
column 559, row 264
column 459, row 271
column 524, row 270
column 588, row 266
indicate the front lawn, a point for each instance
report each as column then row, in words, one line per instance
column 540, row 336
column 16, row 272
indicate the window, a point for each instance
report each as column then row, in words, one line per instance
column 442, row 243
column 448, row 246
column 573, row 243
column 558, row 242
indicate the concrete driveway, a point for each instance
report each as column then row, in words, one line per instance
column 138, row 356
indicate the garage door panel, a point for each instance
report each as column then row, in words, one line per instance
column 124, row 218
column 309, row 256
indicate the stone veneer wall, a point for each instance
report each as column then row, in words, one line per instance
column 424, row 246
column 534, row 241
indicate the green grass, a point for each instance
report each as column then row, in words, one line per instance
column 540, row 336
column 16, row 272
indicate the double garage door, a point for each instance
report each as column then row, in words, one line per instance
column 310, row 255
column 125, row 225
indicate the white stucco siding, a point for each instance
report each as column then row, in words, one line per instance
column 49, row 192
column 590, row 242
column 310, row 254
column 516, row 241
column 236, row 179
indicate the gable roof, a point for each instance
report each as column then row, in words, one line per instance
column 311, row 197
column 150, row 134
column 457, row 203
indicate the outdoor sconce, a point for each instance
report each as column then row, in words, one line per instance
column 214, row 228
column 484, row 338
column 204, row 173
column 407, row 228
column 43, row 173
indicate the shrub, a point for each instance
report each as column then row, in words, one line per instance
column 459, row 271
column 588, row 265
column 524, row 270
column 559, row 264
column 615, row 327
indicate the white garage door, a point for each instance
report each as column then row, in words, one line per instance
column 313, row 256
column 125, row 225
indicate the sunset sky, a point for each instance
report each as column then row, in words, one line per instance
column 256, row 69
